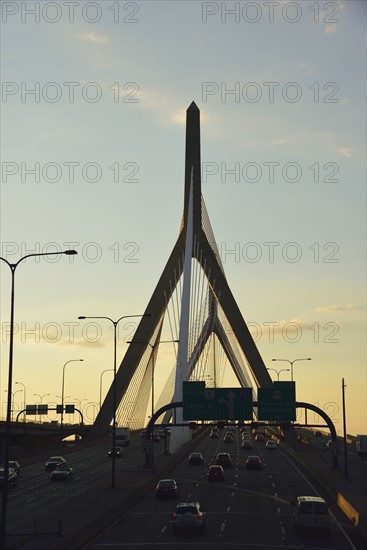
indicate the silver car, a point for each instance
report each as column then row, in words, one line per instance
column 188, row 517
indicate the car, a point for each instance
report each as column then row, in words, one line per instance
column 12, row 477
column 62, row 472
column 214, row 434
column 231, row 428
column 228, row 438
column 162, row 434
column 188, row 516
column 118, row 451
column 246, row 444
column 311, row 514
column 215, row 473
column 53, row 462
column 224, row 459
column 253, row 462
column 270, row 444
column 167, row 488
column 156, row 438
column 143, row 434
column 259, row 437
column 196, row 458
column 14, row 465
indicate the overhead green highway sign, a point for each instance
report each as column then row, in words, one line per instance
column 277, row 403
column 201, row 403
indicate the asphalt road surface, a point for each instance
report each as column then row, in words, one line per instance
column 250, row 509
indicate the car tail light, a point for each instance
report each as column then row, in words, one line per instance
column 174, row 515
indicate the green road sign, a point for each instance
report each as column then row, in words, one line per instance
column 201, row 403
column 278, row 402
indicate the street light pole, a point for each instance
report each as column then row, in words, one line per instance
column 4, row 499
column 153, row 364
column 115, row 323
column 344, row 431
column 41, row 398
column 62, row 392
column 24, row 398
column 279, row 371
column 291, row 363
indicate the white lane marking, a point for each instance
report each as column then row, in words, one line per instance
column 222, row 527
column 282, row 530
column 188, row 496
column 162, row 530
column 228, row 508
column 278, row 510
column 197, row 485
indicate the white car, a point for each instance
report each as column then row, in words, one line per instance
column 270, row 444
column 311, row 514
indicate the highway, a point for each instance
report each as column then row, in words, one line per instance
column 250, row 509
column 36, row 499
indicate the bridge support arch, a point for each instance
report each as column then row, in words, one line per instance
column 334, row 439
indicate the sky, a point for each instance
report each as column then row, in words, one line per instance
column 93, row 107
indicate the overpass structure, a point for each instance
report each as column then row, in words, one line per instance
column 216, row 330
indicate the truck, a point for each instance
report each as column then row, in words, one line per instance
column 361, row 445
column 122, row 436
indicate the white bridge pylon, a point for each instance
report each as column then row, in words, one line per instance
column 193, row 301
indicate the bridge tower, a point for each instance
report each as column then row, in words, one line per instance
column 205, row 252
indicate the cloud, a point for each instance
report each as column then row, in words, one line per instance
column 280, row 141
column 345, row 151
column 93, row 37
column 348, row 307
column 330, row 29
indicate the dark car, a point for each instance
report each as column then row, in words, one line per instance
column 196, row 458
column 214, row 434
column 215, row 473
column 228, row 438
column 246, row 444
column 253, row 463
column 62, row 472
column 12, row 478
column 188, row 517
column 156, row 438
column 224, row 459
column 118, row 451
column 53, row 462
column 14, row 465
column 167, row 488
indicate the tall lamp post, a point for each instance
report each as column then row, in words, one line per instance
column 13, row 401
column 279, row 371
column 153, row 347
column 41, row 398
column 115, row 323
column 4, row 499
column 62, row 391
column 291, row 363
column 100, row 386
column 24, row 398
column 344, row 431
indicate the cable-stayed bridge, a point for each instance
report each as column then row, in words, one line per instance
column 192, row 302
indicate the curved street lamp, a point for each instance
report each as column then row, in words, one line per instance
column 115, row 323
column 279, row 371
column 153, row 359
column 291, row 363
column 62, row 391
column 4, row 500
column 24, row 398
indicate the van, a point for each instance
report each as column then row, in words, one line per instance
column 311, row 514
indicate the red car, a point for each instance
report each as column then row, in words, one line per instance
column 215, row 473
column 253, row 463
column 223, row 459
